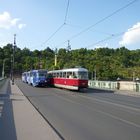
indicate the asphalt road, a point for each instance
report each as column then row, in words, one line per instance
column 90, row 115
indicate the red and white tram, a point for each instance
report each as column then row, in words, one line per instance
column 73, row 78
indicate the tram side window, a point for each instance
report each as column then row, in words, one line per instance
column 60, row 74
column 28, row 74
column 75, row 74
column 64, row 74
column 49, row 75
column 31, row 74
column 54, row 74
column 34, row 74
column 69, row 75
column 57, row 74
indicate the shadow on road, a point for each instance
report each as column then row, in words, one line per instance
column 97, row 91
column 7, row 125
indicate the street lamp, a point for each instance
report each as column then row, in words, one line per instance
column 13, row 59
column 118, row 83
column 137, row 86
column 95, row 74
column 3, row 68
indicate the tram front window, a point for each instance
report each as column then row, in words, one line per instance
column 42, row 74
column 81, row 75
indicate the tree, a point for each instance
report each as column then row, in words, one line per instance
column 108, row 63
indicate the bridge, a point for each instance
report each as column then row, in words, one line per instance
column 28, row 112
column 132, row 86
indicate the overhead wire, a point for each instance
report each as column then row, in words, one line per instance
column 66, row 14
column 60, row 27
column 103, row 19
column 111, row 37
column 100, row 21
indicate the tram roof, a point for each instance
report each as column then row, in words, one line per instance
column 39, row 70
column 70, row 70
column 36, row 70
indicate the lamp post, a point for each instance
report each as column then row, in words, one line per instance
column 3, row 68
column 95, row 74
column 118, row 83
column 13, row 59
column 137, row 86
column 11, row 68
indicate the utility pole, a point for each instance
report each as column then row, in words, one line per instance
column 11, row 67
column 133, row 76
column 3, row 68
column 13, row 59
column 55, row 60
column 95, row 74
column 69, row 46
column 39, row 60
column 68, row 57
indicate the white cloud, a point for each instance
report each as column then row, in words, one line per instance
column 101, row 46
column 14, row 21
column 20, row 26
column 132, row 36
column 6, row 21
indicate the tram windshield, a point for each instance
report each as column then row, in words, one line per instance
column 42, row 74
column 81, row 75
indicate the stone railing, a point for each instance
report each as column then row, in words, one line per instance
column 117, row 85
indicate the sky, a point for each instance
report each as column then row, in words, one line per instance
column 90, row 24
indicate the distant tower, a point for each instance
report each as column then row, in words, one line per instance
column 69, row 46
column 14, row 40
column 3, row 68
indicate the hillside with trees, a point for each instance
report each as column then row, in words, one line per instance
column 109, row 64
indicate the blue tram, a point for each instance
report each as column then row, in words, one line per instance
column 24, row 77
column 36, row 77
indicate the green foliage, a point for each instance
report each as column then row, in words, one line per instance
column 108, row 63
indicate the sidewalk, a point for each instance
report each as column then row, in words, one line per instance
column 128, row 93
column 121, row 92
column 29, row 124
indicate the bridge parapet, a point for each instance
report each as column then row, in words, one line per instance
column 117, row 85
column 1, row 81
